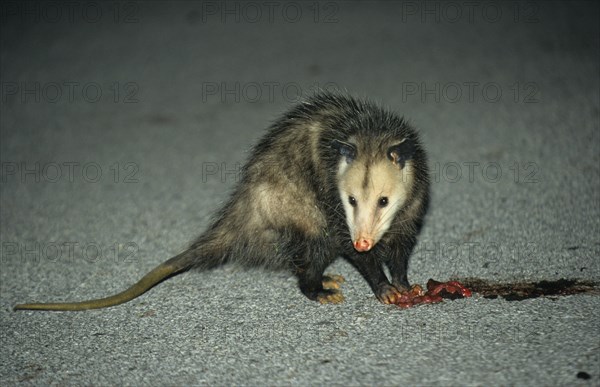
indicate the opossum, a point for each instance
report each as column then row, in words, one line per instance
column 335, row 176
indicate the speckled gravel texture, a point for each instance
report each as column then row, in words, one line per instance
column 122, row 112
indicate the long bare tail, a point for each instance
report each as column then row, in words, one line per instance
column 173, row 266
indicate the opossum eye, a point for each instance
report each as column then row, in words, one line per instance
column 383, row 201
column 352, row 201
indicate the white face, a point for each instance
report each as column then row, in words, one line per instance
column 372, row 195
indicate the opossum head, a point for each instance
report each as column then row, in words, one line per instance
column 373, row 187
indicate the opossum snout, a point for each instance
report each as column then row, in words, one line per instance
column 363, row 244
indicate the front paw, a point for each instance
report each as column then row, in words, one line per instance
column 401, row 285
column 388, row 294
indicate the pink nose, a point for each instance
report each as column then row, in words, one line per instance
column 363, row 244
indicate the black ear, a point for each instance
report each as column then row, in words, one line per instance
column 345, row 149
column 401, row 152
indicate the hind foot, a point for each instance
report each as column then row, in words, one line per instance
column 330, row 296
column 333, row 281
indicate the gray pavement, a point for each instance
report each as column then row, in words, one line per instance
column 121, row 130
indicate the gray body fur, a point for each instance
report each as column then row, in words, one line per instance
column 286, row 212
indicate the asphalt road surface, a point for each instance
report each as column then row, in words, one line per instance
column 123, row 126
